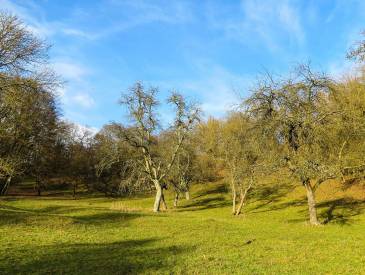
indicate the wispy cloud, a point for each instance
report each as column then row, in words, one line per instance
column 84, row 100
column 271, row 22
column 70, row 70
column 139, row 12
column 215, row 87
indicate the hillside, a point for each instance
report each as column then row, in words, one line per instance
column 119, row 236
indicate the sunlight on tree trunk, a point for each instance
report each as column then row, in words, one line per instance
column 156, row 206
column 313, row 220
column 4, row 191
column 187, row 195
column 234, row 198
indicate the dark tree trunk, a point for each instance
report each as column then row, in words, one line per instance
column 38, row 186
column 163, row 201
column 176, row 198
column 74, row 191
column 313, row 220
column 105, row 188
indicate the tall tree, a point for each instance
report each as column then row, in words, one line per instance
column 141, row 104
column 302, row 123
column 28, row 111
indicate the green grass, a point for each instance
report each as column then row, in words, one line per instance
column 118, row 236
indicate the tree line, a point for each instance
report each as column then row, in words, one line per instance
column 305, row 127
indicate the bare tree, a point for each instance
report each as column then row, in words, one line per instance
column 20, row 50
column 142, row 104
column 357, row 52
column 243, row 157
column 297, row 115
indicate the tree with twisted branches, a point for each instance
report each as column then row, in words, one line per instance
column 141, row 104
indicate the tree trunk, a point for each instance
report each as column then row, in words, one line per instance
column 234, row 198
column 158, row 198
column 105, row 188
column 313, row 220
column 38, row 184
column 243, row 196
column 74, row 191
column 176, row 198
column 6, row 186
column 242, row 202
column 187, row 195
column 163, row 201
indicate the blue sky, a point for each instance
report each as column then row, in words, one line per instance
column 211, row 51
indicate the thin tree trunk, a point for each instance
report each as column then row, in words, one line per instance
column 313, row 220
column 234, row 198
column 243, row 196
column 156, row 206
column 39, row 191
column 105, row 188
column 242, row 201
column 6, row 186
column 187, row 195
column 163, row 201
column 176, row 198
column 74, row 191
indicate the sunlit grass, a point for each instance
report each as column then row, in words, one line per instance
column 99, row 235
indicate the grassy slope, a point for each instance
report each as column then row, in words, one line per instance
column 97, row 235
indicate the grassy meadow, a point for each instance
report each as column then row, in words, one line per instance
column 59, row 235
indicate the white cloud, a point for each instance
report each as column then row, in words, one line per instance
column 78, row 33
column 289, row 18
column 35, row 21
column 84, row 100
column 70, row 70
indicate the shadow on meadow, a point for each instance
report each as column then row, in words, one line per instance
column 217, row 189
column 90, row 216
column 123, row 257
column 342, row 211
column 269, row 195
column 198, row 204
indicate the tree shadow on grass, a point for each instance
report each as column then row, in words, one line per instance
column 10, row 215
column 266, row 195
column 123, row 257
column 205, row 204
column 217, row 189
column 341, row 211
column 338, row 211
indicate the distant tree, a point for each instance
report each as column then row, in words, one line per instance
column 206, row 140
column 350, row 126
column 116, row 162
column 358, row 51
column 243, row 157
column 141, row 104
column 28, row 128
column 79, row 154
column 184, row 170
